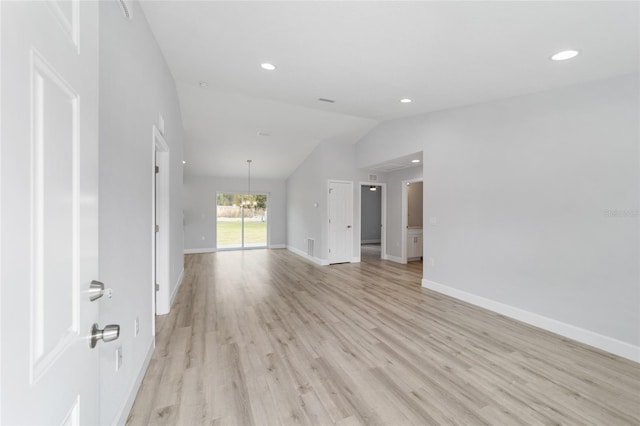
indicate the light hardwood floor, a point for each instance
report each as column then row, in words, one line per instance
column 264, row 337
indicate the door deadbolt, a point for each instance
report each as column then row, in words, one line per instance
column 108, row 334
column 96, row 290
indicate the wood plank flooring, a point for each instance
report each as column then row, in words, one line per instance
column 263, row 337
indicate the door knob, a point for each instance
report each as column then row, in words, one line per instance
column 108, row 334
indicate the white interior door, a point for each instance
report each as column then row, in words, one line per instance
column 49, row 211
column 340, row 221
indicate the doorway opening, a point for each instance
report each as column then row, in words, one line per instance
column 373, row 200
column 241, row 221
column 412, row 235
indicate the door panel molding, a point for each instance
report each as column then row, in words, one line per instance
column 68, row 19
column 52, row 196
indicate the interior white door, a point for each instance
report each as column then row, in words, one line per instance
column 340, row 221
column 49, row 211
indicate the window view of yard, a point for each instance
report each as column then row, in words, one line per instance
column 230, row 233
column 230, row 209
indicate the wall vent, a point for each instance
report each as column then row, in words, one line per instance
column 126, row 10
column 373, row 177
column 310, row 246
column 326, row 100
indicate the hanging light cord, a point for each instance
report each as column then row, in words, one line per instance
column 249, row 181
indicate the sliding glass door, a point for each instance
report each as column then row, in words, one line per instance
column 241, row 220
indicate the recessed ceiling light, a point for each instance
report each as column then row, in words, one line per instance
column 184, row 162
column 203, row 84
column 405, row 100
column 372, row 188
column 267, row 66
column 415, row 161
column 564, row 55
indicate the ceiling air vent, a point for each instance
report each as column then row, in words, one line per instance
column 326, row 100
column 373, row 177
column 126, row 10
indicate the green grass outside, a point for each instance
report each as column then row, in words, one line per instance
column 230, row 233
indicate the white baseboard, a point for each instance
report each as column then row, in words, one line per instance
column 175, row 289
column 370, row 241
column 609, row 344
column 121, row 418
column 393, row 258
column 200, row 250
column 313, row 259
column 278, row 246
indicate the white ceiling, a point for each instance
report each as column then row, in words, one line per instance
column 366, row 56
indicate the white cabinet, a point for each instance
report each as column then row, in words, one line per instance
column 414, row 243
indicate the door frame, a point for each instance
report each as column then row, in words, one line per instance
column 383, row 217
column 405, row 211
column 327, row 233
column 160, row 299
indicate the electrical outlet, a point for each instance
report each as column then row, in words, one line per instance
column 118, row 357
column 136, row 327
column 432, row 261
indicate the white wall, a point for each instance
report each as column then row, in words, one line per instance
column 308, row 185
column 523, row 191
column 394, row 207
column 200, row 208
column 135, row 87
column 371, row 217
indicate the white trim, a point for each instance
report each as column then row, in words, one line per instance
column 322, row 262
column 370, row 241
column 177, row 287
column 355, row 259
column 200, row 250
column 278, row 246
column 161, row 259
column 241, row 248
column 394, row 259
column 121, row 418
column 2, row 244
column 609, row 344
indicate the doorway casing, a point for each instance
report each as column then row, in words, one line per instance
column 160, row 241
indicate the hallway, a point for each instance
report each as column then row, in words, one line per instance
column 264, row 337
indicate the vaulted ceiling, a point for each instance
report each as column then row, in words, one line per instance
column 366, row 56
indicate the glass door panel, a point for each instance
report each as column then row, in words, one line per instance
column 229, row 220
column 255, row 221
column 241, row 220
